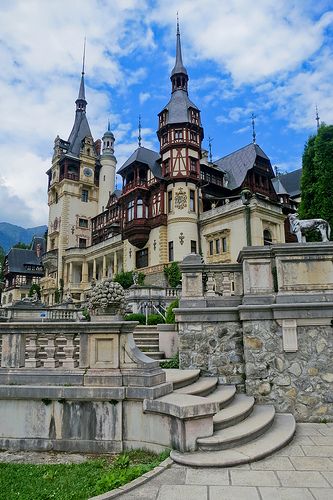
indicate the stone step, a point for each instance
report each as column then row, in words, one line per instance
column 277, row 436
column 146, row 338
column 223, row 395
column 238, row 409
column 202, row 387
column 148, row 347
column 253, row 426
column 155, row 354
column 181, row 378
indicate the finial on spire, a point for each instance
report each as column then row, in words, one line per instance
column 210, row 140
column 139, row 136
column 84, row 55
column 317, row 118
column 253, row 117
column 109, row 126
column 178, row 32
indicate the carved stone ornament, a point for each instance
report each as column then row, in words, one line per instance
column 180, row 199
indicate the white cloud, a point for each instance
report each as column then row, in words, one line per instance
column 143, row 97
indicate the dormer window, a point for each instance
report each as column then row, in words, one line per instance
column 178, row 135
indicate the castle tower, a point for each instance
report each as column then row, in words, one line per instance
column 180, row 134
column 72, row 190
column 107, row 174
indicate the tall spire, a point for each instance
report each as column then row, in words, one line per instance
column 253, row 116
column 139, row 136
column 81, row 102
column 179, row 75
column 317, row 118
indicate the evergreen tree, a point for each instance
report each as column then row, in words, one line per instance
column 317, row 177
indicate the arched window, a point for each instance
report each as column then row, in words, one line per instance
column 139, row 208
column 10, row 298
column 4, row 300
column 267, row 237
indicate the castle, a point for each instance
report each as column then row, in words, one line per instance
column 172, row 202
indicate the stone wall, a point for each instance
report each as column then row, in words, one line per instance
column 298, row 382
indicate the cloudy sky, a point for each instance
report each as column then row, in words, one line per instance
column 271, row 58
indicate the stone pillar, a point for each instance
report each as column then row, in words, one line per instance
column 115, row 263
column 104, row 269
column 70, row 278
column 94, row 269
column 84, row 272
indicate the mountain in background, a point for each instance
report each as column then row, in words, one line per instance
column 11, row 234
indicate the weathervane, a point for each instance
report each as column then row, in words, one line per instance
column 84, row 55
column 139, row 136
column 253, row 116
column 317, row 118
column 210, row 140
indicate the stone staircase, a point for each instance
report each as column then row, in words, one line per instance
column 243, row 431
column 146, row 339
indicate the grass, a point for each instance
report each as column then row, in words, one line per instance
column 74, row 481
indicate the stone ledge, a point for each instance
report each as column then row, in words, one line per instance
column 74, row 393
column 182, row 406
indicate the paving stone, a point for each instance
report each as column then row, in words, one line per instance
column 273, row 463
column 307, row 430
column 318, row 451
column 312, row 463
column 170, row 476
column 145, row 492
column 304, row 440
column 253, row 478
column 329, row 477
column 323, row 440
column 301, row 479
column 207, row 476
column 325, row 430
column 292, row 450
column 183, row 492
column 322, row 493
column 285, row 494
column 233, row 493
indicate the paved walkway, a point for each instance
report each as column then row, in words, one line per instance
column 301, row 471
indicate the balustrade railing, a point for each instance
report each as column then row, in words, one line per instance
column 52, row 351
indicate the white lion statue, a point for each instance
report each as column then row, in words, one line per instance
column 301, row 227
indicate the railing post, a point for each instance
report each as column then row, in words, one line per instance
column 13, row 350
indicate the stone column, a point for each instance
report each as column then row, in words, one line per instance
column 70, row 277
column 94, row 269
column 84, row 272
column 104, row 271
column 115, row 263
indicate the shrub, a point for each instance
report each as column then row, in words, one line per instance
column 155, row 319
column 141, row 318
column 125, row 278
column 173, row 274
column 172, row 363
column 170, row 315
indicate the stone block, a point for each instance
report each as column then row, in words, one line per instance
column 302, row 479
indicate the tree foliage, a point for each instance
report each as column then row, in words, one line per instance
column 125, row 278
column 173, row 274
column 24, row 246
column 2, row 260
column 317, row 176
column 35, row 288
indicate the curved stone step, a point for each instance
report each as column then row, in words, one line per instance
column 222, row 395
column 158, row 355
column 249, row 429
column 239, row 408
column 277, row 436
column 181, row 378
column 202, row 387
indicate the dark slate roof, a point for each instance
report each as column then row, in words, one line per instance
column 292, row 182
column 146, row 156
column 82, row 95
column 178, row 107
column 237, row 164
column 79, row 131
column 278, row 186
column 17, row 258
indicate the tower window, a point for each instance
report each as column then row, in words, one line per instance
column 82, row 242
column 194, row 136
column 171, row 256
column 56, row 198
column 211, row 247
column 164, row 138
column 193, row 246
column 166, row 164
column 193, row 165
column 192, row 200
column 84, row 195
column 178, row 135
column 130, row 210
column 83, row 223
column 107, row 144
column 139, row 208
column 169, row 201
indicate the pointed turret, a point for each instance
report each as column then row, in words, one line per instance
column 179, row 77
column 107, row 174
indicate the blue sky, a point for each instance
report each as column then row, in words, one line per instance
column 270, row 58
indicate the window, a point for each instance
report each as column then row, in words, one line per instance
column 164, row 138
column 194, row 136
column 139, row 208
column 193, row 246
column 224, row 245
column 130, row 210
column 141, row 258
column 267, row 237
column 56, row 199
column 169, row 201
column 103, row 177
column 193, row 165
column 156, row 206
column 166, row 164
column 192, row 200
column 84, row 195
column 83, row 223
column 170, row 251
column 211, row 247
column 82, row 243
column 178, row 135
column 217, row 246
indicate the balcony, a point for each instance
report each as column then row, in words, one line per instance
column 139, row 183
column 50, row 260
column 137, row 232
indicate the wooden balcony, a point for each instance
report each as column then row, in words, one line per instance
column 137, row 232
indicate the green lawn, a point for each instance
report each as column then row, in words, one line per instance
column 74, row 481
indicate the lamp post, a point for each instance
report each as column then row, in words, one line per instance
column 246, row 198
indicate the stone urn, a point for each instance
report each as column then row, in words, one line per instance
column 107, row 300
